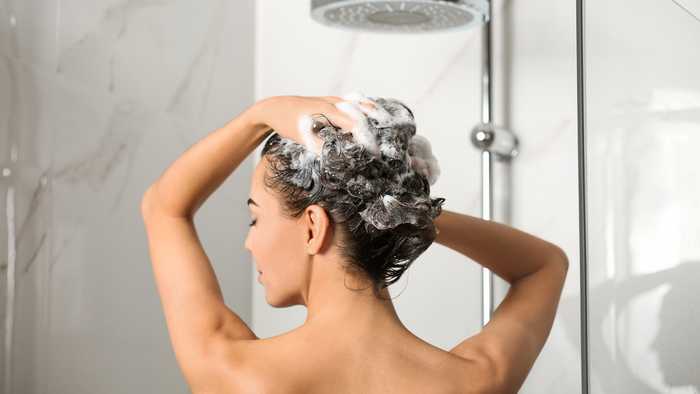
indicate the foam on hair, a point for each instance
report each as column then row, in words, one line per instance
column 374, row 182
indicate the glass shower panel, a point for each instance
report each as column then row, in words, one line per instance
column 642, row 86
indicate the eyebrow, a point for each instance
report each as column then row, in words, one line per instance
column 250, row 201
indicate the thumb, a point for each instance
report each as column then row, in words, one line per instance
column 308, row 127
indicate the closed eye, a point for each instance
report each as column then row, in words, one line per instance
column 253, row 222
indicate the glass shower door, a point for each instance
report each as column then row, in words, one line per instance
column 642, row 131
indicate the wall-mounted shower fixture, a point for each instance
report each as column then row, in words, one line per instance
column 499, row 141
column 401, row 16
column 491, row 140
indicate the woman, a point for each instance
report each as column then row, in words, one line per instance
column 340, row 208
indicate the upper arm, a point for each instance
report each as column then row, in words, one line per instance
column 519, row 327
column 195, row 312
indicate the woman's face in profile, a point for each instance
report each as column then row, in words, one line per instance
column 276, row 244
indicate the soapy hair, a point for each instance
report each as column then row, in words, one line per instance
column 374, row 183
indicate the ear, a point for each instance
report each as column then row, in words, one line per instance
column 317, row 225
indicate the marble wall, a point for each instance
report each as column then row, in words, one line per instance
column 96, row 99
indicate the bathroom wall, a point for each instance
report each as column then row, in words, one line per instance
column 643, row 133
column 97, row 98
column 438, row 76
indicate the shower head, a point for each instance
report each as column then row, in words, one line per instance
column 400, row 16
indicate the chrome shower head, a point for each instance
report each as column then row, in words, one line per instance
column 400, row 16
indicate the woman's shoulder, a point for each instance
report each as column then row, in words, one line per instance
column 291, row 363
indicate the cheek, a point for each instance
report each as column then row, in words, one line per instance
column 276, row 246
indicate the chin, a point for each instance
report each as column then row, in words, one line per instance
column 280, row 301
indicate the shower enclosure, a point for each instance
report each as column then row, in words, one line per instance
column 97, row 98
column 640, row 120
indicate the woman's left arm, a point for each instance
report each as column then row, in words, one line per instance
column 197, row 318
column 201, row 326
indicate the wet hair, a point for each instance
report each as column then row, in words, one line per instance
column 376, row 192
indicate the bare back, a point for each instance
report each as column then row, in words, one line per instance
column 295, row 362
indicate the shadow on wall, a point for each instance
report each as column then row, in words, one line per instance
column 676, row 343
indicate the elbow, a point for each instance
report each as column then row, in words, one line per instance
column 150, row 203
column 147, row 202
column 560, row 258
column 153, row 206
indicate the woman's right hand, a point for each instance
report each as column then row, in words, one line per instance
column 291, row 117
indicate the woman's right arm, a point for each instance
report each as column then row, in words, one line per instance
column 536, row 270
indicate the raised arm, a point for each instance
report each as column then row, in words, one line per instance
column 536, row 270
column 196, row 315
column 200, row 323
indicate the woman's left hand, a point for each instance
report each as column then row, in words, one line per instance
column 293, row 117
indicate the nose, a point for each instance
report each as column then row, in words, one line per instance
column 246, row 244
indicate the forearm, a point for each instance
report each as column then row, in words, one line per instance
column 202, row 168
column 508, row 252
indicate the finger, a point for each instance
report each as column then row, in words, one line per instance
column 320, row 121
column 346, row 113
column 331, row 116
column 369, row 105
column 352, row 112
column 307, row 134
column 341, row 121
column 364, row 101
column 337, row 118
column 332, row 99
column 366, row 105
